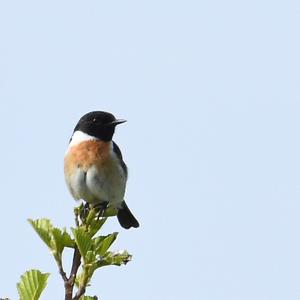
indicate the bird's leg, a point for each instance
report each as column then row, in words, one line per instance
column 86, row 208
column 102, row 207
column 85, row 211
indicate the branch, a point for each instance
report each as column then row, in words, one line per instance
column 76, row 263
column 61, row 270
column 69, row 282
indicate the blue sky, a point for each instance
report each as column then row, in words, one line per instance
column 210, row 90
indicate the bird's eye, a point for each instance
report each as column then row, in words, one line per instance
column 94, row 120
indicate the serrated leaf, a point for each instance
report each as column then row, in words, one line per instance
column 61, row 239
column 115, row 259
column 105, row 243
column 32, row 284
column 90, row 257
column 95, row 225
column 97, row 243
column 83, row 241
column 43, row 228
column 54, row 238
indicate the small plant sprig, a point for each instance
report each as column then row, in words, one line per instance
column 90, row 252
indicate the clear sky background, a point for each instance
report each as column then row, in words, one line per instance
column 211, row 93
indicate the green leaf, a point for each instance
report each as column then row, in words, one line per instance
column 83, row 241
column 90, row 298
column 61, row 239
column 97, row 243
column 115, row 259
column 55, row 238
column 43, row 228
column 105, row 243
column 92, row 214
column 95, row 225
column 32, row 284
column 90, row 257
column 84, row 277
column 78, row 210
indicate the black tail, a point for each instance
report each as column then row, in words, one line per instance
column 126, row 218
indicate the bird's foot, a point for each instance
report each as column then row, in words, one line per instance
column 85, row 211
column 101, row 207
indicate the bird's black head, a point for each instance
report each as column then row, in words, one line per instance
column 98, row 124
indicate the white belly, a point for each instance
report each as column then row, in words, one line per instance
column 95, row 186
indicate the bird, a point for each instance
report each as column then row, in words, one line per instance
column 94, row 167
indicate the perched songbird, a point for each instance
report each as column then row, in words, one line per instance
column 94, row 167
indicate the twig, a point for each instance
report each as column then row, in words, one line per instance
column 69, row 285
column 69, row 282
column 68, row 289
column 76, row 263
column 61, row 270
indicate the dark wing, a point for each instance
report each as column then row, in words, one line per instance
column 119, row 155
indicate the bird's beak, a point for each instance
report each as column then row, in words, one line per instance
column 117, row 122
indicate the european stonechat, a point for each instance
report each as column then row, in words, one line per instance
column 94, row 167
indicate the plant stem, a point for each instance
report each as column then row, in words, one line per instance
column 69, row 282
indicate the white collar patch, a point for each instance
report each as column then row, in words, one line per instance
column 79, row 137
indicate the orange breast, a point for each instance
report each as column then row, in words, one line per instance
column 86, row 154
